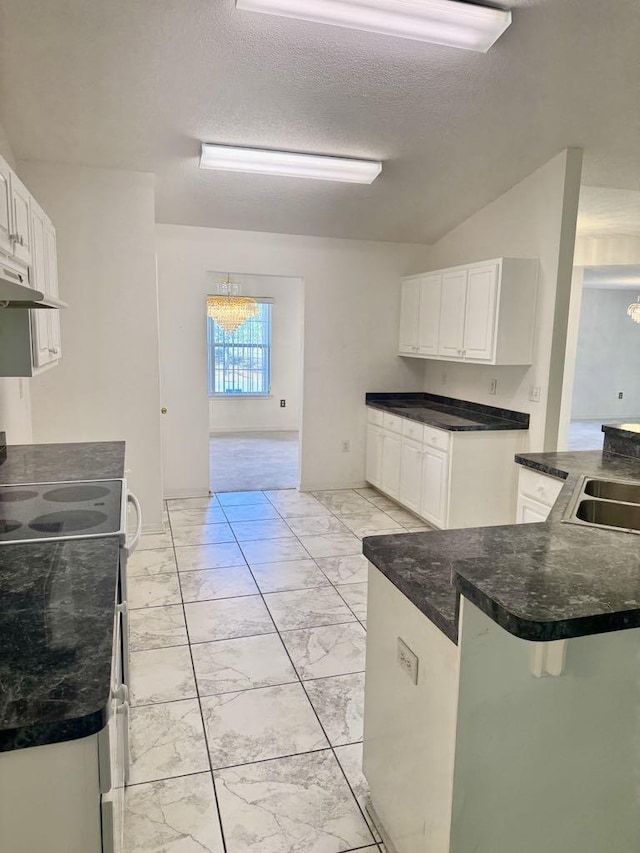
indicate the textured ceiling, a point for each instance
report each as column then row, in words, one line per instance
column 135, row 84
column 604, row 212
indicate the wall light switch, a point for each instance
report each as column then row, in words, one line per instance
column 408, row 660
column 283, row 403
column 534, row 393
column 620, row 395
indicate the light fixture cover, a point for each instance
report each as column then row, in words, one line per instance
column 446, row 22
column 231, row 158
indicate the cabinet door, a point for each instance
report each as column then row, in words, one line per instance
column 409, row 310
column 39, row 318
column 5, row 209
column 21, row 212
column 429, row 314
column 454, row 294
column 411, row 474
column 530, row 511
column 435, row 486
column 53, row 316
column 480, row 313
column 391, row 452
column 374, row 453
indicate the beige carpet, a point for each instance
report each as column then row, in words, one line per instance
column 241, row 461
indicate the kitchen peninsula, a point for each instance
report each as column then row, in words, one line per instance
column 503, row 677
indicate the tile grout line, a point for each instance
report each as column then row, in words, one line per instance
column 195, row 681
column 315, row 713
column 331, row 584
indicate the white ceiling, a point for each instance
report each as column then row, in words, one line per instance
column 136, row 84
column 604, row 212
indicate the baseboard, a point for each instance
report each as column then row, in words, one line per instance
column 178, row 494
column 253, row 429
column 331, row 486
column 375, row 820
column 154, row 528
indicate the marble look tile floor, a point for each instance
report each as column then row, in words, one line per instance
column 247, row 674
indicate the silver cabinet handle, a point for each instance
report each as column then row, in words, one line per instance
column 53, row 350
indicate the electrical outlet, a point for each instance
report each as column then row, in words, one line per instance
column 534, row 393
column 283, row 403
column 346, row 446
column 408, row 660
column 620, row 395
column 493, row 386
column 443, row 377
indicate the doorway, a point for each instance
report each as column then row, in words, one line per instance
column 255, row 388
column 605, row 386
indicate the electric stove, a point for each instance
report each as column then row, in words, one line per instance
column 51, row 512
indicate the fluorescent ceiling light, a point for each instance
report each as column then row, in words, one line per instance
column 229, row 158
column 445, row 22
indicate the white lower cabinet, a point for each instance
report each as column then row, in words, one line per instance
column 411, row 474
column 435, row 487
column 391, row 456
column 450, row 479
column 374, row 455
column 537, row 493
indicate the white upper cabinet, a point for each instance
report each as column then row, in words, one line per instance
column 409, row 310
column 6, row 244
column 483, row 313
column 429, row 314
column 480, row 313
column 29, row 339
column 21, row 220
column 454, row 294
column 45, row 324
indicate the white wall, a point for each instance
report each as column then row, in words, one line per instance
column 608, row 357
column 107, row 384
column 351, row 308
column 15, row 395
column 286, row 360
column 534, row 219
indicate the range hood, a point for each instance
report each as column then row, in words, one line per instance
column 15, row 293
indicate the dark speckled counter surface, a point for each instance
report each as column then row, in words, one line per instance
column 56, row 619
column 447, row 412
column 541, row 582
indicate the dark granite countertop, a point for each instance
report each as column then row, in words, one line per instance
column 447, row 412
column 53, row 463
column 546, row 581
column 56, row 620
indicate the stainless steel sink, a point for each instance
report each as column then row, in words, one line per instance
column 610, row 514
column 613, row 490
column 611, row 504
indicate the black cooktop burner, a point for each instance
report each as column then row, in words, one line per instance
column 76, row 494
column 54, row 511
column 17, row 495
column 67, row 521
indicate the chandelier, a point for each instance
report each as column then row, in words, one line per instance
column 634, row 311
column 228, row 309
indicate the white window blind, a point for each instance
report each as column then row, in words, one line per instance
column 239, row 363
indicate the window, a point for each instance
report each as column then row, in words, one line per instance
column 239, row 362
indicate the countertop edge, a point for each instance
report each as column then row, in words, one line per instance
column 60, row 731
column 451, row 427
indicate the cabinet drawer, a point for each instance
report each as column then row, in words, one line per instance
column 392, row 422
column 375, row 416
column 412, row 429
column 540, row 487
column 437, row 438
